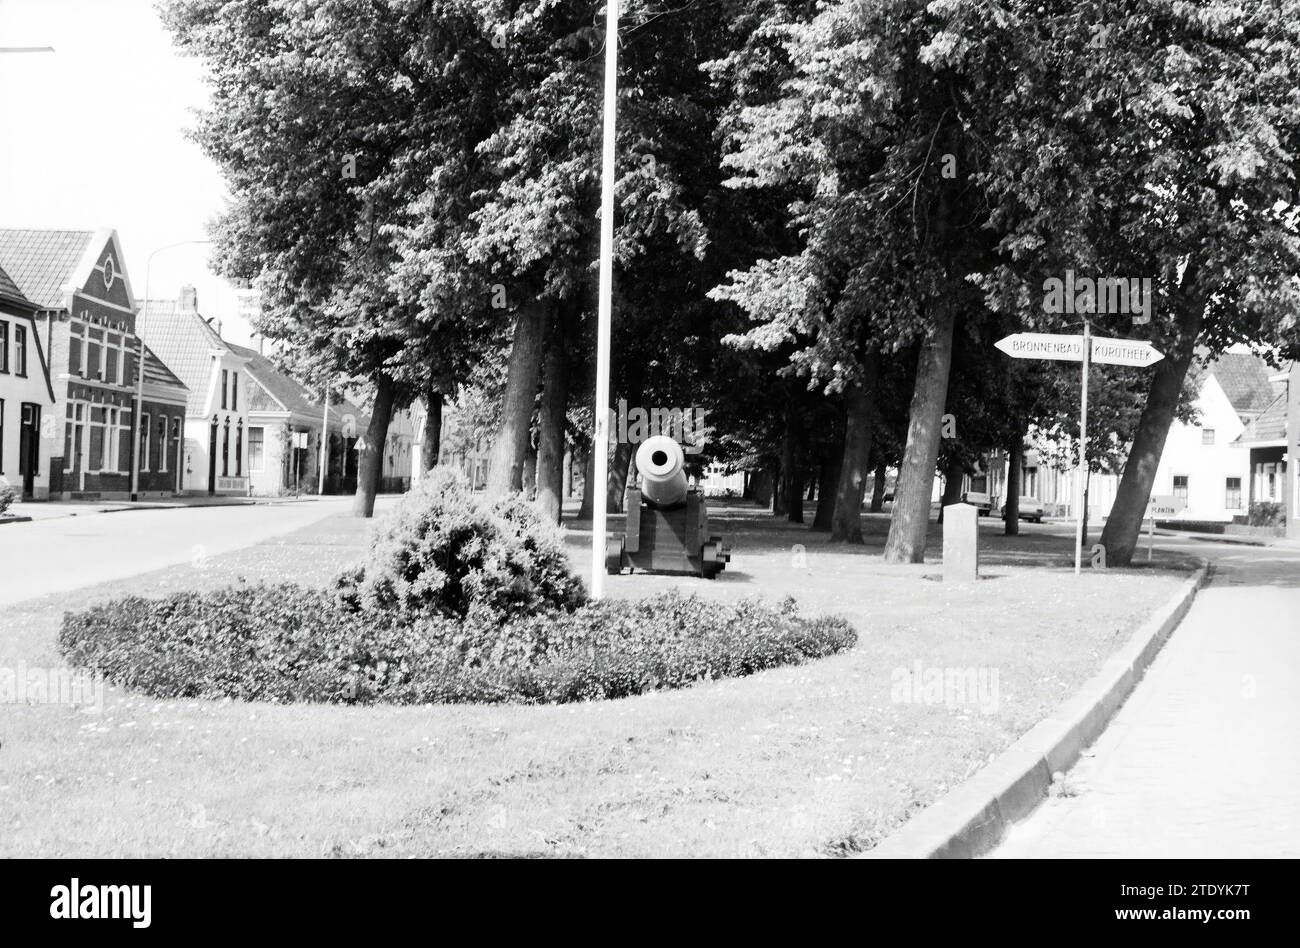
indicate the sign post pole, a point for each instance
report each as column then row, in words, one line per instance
column 1080, row 472
column 600, row 441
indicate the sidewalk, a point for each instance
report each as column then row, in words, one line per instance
column 1203, row 760
column 48, row 510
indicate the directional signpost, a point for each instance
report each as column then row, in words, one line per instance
column 1085, row 349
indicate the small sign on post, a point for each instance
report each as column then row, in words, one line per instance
column 1162, row 506
column 960, row 543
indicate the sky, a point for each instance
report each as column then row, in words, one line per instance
column 94, row 135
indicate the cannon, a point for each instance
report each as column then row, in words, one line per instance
column 667, row 528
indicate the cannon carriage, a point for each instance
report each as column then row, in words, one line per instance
column 667, row 527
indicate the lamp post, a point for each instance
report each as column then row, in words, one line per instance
column 600, row 443
column 139, row 372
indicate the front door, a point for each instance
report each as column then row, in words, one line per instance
column 212, row 458
column 29, row 448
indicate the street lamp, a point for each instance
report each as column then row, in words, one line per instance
column 139, row 372
column 600, row 444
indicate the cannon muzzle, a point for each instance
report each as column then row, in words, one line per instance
column 662, row 465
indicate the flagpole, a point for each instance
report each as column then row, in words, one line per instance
column 600, row 441
column 1083, row 447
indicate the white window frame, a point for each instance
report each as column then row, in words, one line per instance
column 260, row 467
column 145, row 420
column 162, row 443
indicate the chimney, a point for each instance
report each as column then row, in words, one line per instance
column 189, row 301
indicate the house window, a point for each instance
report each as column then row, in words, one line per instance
column 225, row 379
column 225, row 443
column 144, row 443
column 72, row 438
column 74, row 355
column 1180, row 487
column 94, row 356
column 2, row 432
column 98, row 420
column 120, row 449
column 20, row 350
column 239, row 447
column 1207, row 437
column 4, row 346
column 162, row 444
column 234, row 392
column 1232, row 497
column 256, row 457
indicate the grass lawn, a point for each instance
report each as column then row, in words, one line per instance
column 807, row 760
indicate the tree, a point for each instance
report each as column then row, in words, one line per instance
column 1156, row 145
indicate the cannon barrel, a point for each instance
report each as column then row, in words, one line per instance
column 662, row 466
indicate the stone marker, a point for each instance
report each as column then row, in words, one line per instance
column 960, row 543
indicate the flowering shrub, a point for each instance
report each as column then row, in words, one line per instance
column 285, row 643
column 444, row 553
column 7, row 495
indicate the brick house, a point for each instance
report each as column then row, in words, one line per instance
column 26, row 397
column 86, row 321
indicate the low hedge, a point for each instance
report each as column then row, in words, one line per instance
column 285, row 643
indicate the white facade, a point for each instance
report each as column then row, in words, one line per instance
column 27, row 421
column 1201, row 465
column 216, row 440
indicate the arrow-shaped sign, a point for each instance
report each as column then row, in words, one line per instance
column 1039, row 345
column 1132, row 352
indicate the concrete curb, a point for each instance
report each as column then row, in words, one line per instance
column 972, row 819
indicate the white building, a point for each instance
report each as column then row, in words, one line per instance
column 1203, row 463
column 216, row 416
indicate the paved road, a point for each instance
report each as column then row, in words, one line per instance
column 54, row 555
column 1203, row 760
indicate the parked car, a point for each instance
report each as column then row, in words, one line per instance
column 981, row 501
column 1031, row 509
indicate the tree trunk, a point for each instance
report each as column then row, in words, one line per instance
column 620, row 467
column 370, row 464
column 1011, row 505
column 566, row 474
column 878, row 488
column 828, row 477
column 512, row 441
column 952, row 478
column 911, row 517
column 859, row 430
column 587, row 508
column 792, row 465
column 1124, row 525
column 555, row 403
column 528, row 473
column 779, row 506
column 432, row 446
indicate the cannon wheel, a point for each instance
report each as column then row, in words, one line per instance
column 712, row 560
column 614, row 557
